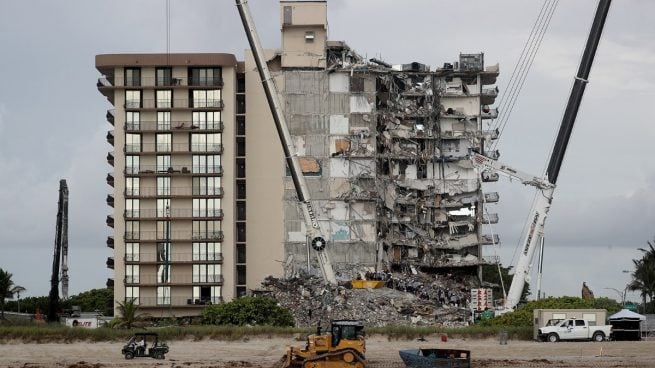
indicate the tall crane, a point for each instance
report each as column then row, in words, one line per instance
column 61, row 247
column 546, row 186
column 314, row 234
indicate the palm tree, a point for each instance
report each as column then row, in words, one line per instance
column 128, row 311
column 643, row 278
column 7, row 290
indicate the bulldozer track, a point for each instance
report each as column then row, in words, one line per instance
column 358, row 357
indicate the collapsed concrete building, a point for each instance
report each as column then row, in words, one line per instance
column 385, row 151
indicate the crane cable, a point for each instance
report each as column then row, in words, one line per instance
column 528, row 55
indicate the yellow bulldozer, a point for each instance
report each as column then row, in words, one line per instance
column 342, row 346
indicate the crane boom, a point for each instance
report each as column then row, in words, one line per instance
column 61, row 236
column 314, row 234
column 546, row 186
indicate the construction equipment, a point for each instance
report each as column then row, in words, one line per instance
column 315, row 236
column 546, row 185
column 61, row 247
column 342, row 346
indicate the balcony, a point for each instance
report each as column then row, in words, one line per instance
column 182, row 103
column 110, row 158
column 491, row 197
column 110, row 242
column 110, row 179
column 489, row 113
column 110, row 283
column 490, row 218
column 110, row 200
column 156, row 148
column 487, row 239
column 186, row 236
column 110, row 221
column 110, row 116
column 153, row 258
column 492, row 154
column 110, row 137
column 153, row 192
column 491, row 134
column 153, row 170
column 175, row 213
column 154, row 126
column 110, row 263
column 176, row 279
column 110, row 81
column 489, row 95
column 179, row 302
column 488, row 176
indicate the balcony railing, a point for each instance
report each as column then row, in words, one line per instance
column 173, row 125
column 174, row 169
column 173, row 213
column 150, row 302
column 176, row 278
column 119, row 81
column 172, row 148
column 152, row 192
column 174, row 257
column 175, row 103
column 212, row 236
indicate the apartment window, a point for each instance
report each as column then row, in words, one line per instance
column 164, row 142
column 241, row 104
column 210, row 229
column 163, row 163
column 206, row 142
column 164, row 120
column 132, row 99
column 132, row 186
column 241, row 83
column 164, row 230
column 206, row 119
column 206, row 76
column 241, row 211
column 164, row 76
column 206, row 185
column 207, row 294
column 163, row 295
column 132, row 230
column 132, row 252
column 132, row 120
column 131, row 274
column 132, row 77
column 241, row 125
column 241, row 146
column 207, row 251
column 241, row 253
column 241, row 189
column 241, row 232
column 206, row 164
column 241, row 274
column 164, row 271
column 206, row 207
column 163, row 207
column 132, row 142
column 206, row 273
column 132, row 293
column 163, row 186
column 131, row 164
column 206, row 98
column 164, row 99
column 241, row 167
column 132, row 208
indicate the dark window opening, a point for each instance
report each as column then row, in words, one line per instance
column 241, row 104
column 241, row 232
column 241, row 189
column 241, row 253
column 241, row 125
column 241, row 211
column 241, row 167
column 241, row 274
column 241, row 83
column 241, row 147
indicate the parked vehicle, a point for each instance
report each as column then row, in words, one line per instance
column 574, row 329
column 436, row 358
column 145, row 344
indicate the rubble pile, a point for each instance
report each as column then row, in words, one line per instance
column 419, row 300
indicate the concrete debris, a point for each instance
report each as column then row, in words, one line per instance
column 408, row 299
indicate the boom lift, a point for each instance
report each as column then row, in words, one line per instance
column 546, row 186
column 314, row 233
column 61, row 247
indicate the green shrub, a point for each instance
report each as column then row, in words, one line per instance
column 248, row 311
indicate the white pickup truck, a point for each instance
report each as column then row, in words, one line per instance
column 574, row 329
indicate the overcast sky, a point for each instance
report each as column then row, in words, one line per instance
column 52, row 117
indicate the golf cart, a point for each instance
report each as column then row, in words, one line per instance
column 145, row 344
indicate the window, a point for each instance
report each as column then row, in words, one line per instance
column 241, row 167
column 241, row 253
column 164, row 142
column 207, row 185
column 241, row 146
column 164, row 230
column 132, row 186
column 131, row 164
column 131, row 230
column 164, row 186
column 163, row 207
column 206, row 273
column 132, row 252
column 163, row 163
column 207, row 207
column 163, row 295
column 210, row 230
column 241, row 125
column 206, row 164
column 309, row 37
column 207, row 294
column 241, row 274
column 206, row 142
column 131, row 208
column 206, row 119
column 132, row 142
column 207, row 251
column 132, row 120
column 241, row 232
column 164, row 99
column 131, row 274
column 164, row 120
column 132, row 77
column 164, row 76
column 241, row 189
column 206, row 76
column 241, row 83
column 132, row 293
column 132, row 99
column 206, row 98
column 241, row 104
column 241, row 211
